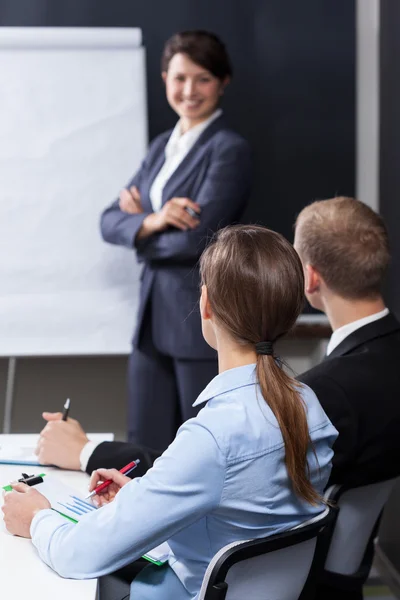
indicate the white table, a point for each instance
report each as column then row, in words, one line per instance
column 20, row 565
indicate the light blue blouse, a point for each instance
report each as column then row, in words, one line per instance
column 223, row 479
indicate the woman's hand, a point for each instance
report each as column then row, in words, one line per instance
column 108, row 495
column 174, row 213
column 20, row 506
column 130, row 202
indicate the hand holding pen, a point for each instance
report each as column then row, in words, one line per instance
column 113, row 481
column 66, row 409
column 62, row 440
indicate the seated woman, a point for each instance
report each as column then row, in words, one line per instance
column 253, row 462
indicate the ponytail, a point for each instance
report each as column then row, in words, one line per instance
column 280, row 393
column 255, row 287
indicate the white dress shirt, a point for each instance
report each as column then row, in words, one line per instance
column 340, row 334
column 86, row 453
column 176, row 149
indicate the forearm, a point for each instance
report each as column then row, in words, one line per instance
column 222, row 199
column 181, row 488
column 120, row 228
column 88, row 549
column 143, row 515
column 149, row 227
column 172, row 245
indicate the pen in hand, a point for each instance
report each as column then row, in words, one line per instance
column 125, row 471
column 66, row 409
column 192, row 212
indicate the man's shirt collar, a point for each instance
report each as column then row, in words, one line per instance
column 342, row 333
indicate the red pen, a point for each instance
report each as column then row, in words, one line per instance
column 125, row 471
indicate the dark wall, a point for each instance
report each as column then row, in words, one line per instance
column 390, row 138
column 293, row 91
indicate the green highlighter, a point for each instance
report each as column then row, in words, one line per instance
column 28, row 479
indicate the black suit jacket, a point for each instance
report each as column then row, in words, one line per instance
column 115, row 455
column 358, row 386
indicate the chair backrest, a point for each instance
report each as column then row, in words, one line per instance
column 359, row 511
column 271, row 568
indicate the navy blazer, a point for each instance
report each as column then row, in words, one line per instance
column 216, row 173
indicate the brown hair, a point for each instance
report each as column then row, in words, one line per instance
column 203, row 48
column 347, row 243
column 255, row 287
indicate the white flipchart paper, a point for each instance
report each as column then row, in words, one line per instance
column 73, row 129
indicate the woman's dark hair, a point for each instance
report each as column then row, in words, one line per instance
column 255, row 287
column 203, row 48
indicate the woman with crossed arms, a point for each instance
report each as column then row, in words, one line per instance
column 193, row 181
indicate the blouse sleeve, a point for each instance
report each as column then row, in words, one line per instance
column 184, row 484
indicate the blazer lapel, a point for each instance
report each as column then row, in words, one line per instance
column 186, row 166
column 373, row 330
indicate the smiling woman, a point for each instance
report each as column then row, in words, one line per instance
column 195, row 75
column 191, row 91
column 194, row 180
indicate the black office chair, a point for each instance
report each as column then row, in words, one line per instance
column 277, row 567
column 351, row 549
column 387, row 543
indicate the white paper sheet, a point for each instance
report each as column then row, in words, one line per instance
column 19, row 449
column 159, row 555
column 64, row 499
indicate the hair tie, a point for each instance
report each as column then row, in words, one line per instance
column 266, row 348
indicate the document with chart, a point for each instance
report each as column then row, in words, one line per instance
column 64, row 499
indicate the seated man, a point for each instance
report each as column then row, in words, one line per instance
column 344, row 248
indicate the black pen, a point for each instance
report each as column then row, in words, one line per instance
column 66, row 409
column 192, row 212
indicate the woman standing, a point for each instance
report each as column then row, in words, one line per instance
column 194, row 180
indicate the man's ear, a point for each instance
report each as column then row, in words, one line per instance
column 312, row 280
column 205, row 308
column 164, row 76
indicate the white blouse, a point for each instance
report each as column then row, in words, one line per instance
column 176, row 149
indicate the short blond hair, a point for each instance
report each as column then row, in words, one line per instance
column 347, row 243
